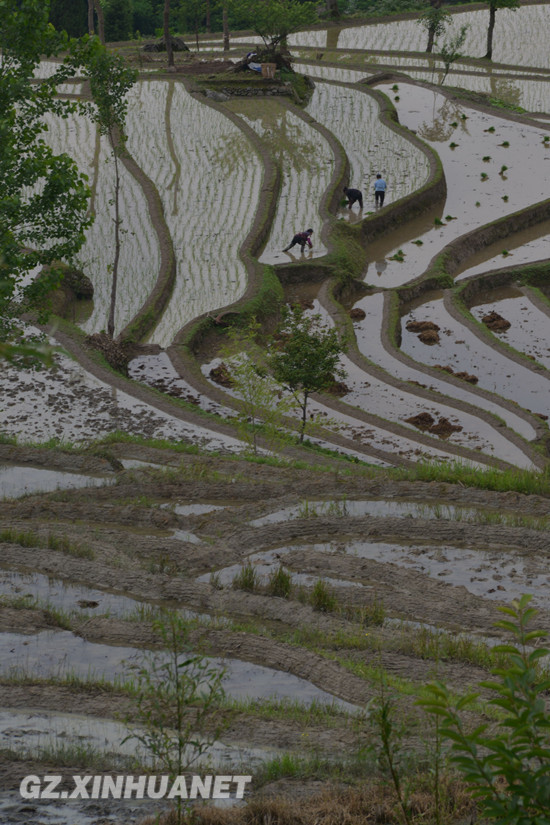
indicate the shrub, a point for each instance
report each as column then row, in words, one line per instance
column 280, row 583
column 508, row 770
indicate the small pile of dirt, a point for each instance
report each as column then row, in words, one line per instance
column 429, row 336
column 467, row 376
column 423, row 421
column 357, row 314
column 495, row 322
column 421, row 326
column 115, row 355
column 338, row 388
column 541, row 416
column 221, row 375
column 444, row 428
column 426, row 422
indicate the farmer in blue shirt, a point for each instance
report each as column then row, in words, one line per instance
column 379, row 190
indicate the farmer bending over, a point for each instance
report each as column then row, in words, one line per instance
column 302, row 238
column 353, row 195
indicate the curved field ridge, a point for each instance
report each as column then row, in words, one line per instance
column 353, row 116
column 208, row 178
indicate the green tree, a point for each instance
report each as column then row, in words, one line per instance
column 262, row 406
column 118, row 20
column 494, row 5
column 451, row 50
column 110, row 80
column 43, row 197
column 70, row 15
column 307, row 360
column 177, row 698
column 508, row 770
column 434, row 20
column 274, row 20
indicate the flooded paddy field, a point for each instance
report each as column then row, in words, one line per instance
column 382, row 549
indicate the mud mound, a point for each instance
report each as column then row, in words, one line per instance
column 422, row 326
column 357, row 314
column 426, row 422
column 444, row 428
column 221, row 375
column 430, row 336
column 178, row 45
column 115, row 355
column 495, row 322
column 422, row 421
column 464, row 376
column 338, row 388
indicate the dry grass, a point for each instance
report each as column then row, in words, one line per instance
column 338, row 806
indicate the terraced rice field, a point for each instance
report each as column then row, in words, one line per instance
column 419, row 504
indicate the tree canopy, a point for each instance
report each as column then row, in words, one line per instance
column 274, row 20
column 43, row 197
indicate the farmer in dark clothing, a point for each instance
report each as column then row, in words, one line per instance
column 353, row 195
column 302, row 238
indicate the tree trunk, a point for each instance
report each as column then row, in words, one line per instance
column 303, row 424
column 91, row 29
column 167, row 35
column 333, row 10
column 111, row 322
column 100, row 20
column 490, row 30
column 225, row 29
column 208, row 16
column 431, row 35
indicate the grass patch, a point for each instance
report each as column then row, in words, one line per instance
column 61, row 544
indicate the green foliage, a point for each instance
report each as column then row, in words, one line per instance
column 450, row 50
column 118, row 19
column 262, row 406
column 322, row 598
column 43, row 197
column 435, row 20
column 177, row 699
column 280, row 583
column 508, row 770
column 246, row 579
column 274, row 20
column 307, row 359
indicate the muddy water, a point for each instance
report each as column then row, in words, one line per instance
column 462, row 350
column 372, row 507
column 531, row 244
column 530, row 328
column 471, row 200
column 34, row 730
column 63, row 595
column 18, row 481
column 69, row 404
column 368, row 334
column 58, row 653
column 366, row 434
column 491, row 575
column 373, row 395
column 306, row 161
column 158, row 372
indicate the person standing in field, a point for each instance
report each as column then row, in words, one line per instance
column 379, row 190
column 302, row 238
column 353, row 195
